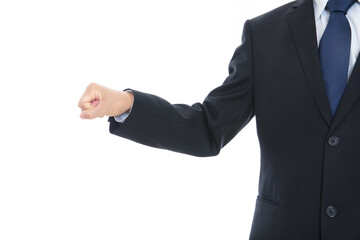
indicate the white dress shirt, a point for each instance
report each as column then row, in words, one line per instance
column 321, row 20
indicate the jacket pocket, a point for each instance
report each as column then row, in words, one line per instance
column 265, row 221
column 267, row 200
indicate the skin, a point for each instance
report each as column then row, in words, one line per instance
column 98, row 101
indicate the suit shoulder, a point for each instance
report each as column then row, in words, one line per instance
column 274, row 15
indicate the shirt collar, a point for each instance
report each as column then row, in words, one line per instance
column 319, row 7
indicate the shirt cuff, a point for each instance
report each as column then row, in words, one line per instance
column 122, row 117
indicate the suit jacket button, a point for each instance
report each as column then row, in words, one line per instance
column 333, row 141
column 331, row 211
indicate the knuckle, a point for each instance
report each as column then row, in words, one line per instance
column 91, row 85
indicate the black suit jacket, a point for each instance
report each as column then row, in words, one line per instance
column 309, row 159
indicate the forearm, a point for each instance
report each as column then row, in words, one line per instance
column 155, row 122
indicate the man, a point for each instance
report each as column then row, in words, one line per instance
column 296, row 70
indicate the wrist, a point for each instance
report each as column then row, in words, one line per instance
column 128, row 100
column 123, row 102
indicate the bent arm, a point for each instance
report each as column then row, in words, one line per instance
column 201, row 129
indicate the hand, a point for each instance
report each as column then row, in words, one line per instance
column 99, row 101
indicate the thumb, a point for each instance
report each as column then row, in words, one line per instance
column 91, row 113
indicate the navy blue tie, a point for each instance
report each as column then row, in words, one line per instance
column 334, row 50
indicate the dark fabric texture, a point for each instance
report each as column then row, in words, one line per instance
column 310, row 160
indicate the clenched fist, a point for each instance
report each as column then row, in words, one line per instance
column 99, row 101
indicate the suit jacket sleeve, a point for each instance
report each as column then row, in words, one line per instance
column 201, row 129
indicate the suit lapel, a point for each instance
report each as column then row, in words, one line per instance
column 302, row 24
column 351, row 94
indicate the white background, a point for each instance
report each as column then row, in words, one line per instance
column 65, row 178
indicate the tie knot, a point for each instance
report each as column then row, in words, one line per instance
column 339, row 5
